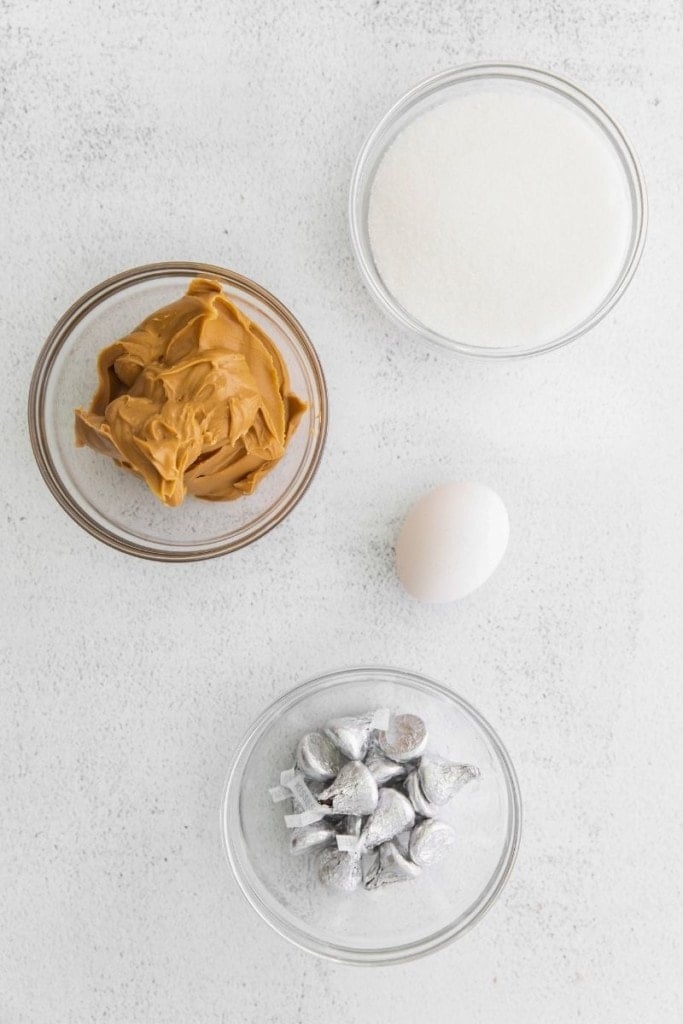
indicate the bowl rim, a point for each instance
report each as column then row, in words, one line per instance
column 58, row 337
column 359, row 193
column 229, row 810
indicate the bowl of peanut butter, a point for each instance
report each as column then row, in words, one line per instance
column 178, row 411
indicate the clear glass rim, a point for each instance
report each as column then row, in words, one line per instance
column 361, row 183
column 40, row 441
column 229, row 811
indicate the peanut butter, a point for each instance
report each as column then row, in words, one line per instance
column 195, row 400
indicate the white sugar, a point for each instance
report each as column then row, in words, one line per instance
column 500, row 218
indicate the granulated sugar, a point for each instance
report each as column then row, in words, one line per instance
column 500, row 218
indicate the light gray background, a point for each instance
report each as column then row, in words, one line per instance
column 226, row 132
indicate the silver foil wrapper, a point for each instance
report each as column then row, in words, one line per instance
column 351, row 735
column 317, row 757
column 402, row 841
column 387, row 865
column 405, row 739
column 394, row 813
column 384, row 769
column 441, row 780
column 354, row 791
column 417, row 798
column 312, row 837
column 339, row 870
column 430, row 842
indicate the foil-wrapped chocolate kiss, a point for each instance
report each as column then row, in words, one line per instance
column 354, row 791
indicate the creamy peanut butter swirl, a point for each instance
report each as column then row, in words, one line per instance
column 195, row 400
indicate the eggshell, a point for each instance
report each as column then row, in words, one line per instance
column 451, row 542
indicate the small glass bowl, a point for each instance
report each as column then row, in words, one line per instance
column 431, row 93
column 399, row 922
column 111, row 503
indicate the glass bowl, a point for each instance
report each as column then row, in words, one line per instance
column 111, row 503
column 398, row 922
column 435, row 91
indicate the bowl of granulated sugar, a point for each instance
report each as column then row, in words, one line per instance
column 497, row 210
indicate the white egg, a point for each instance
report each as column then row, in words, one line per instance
column 451, row 542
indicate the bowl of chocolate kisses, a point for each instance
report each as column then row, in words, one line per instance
column 371, row 815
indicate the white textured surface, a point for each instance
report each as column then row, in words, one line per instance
column 226, row 132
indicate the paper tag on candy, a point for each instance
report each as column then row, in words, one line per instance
column 304, row 818
column 302, row 794
column 284, row 790
column 309, row 808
